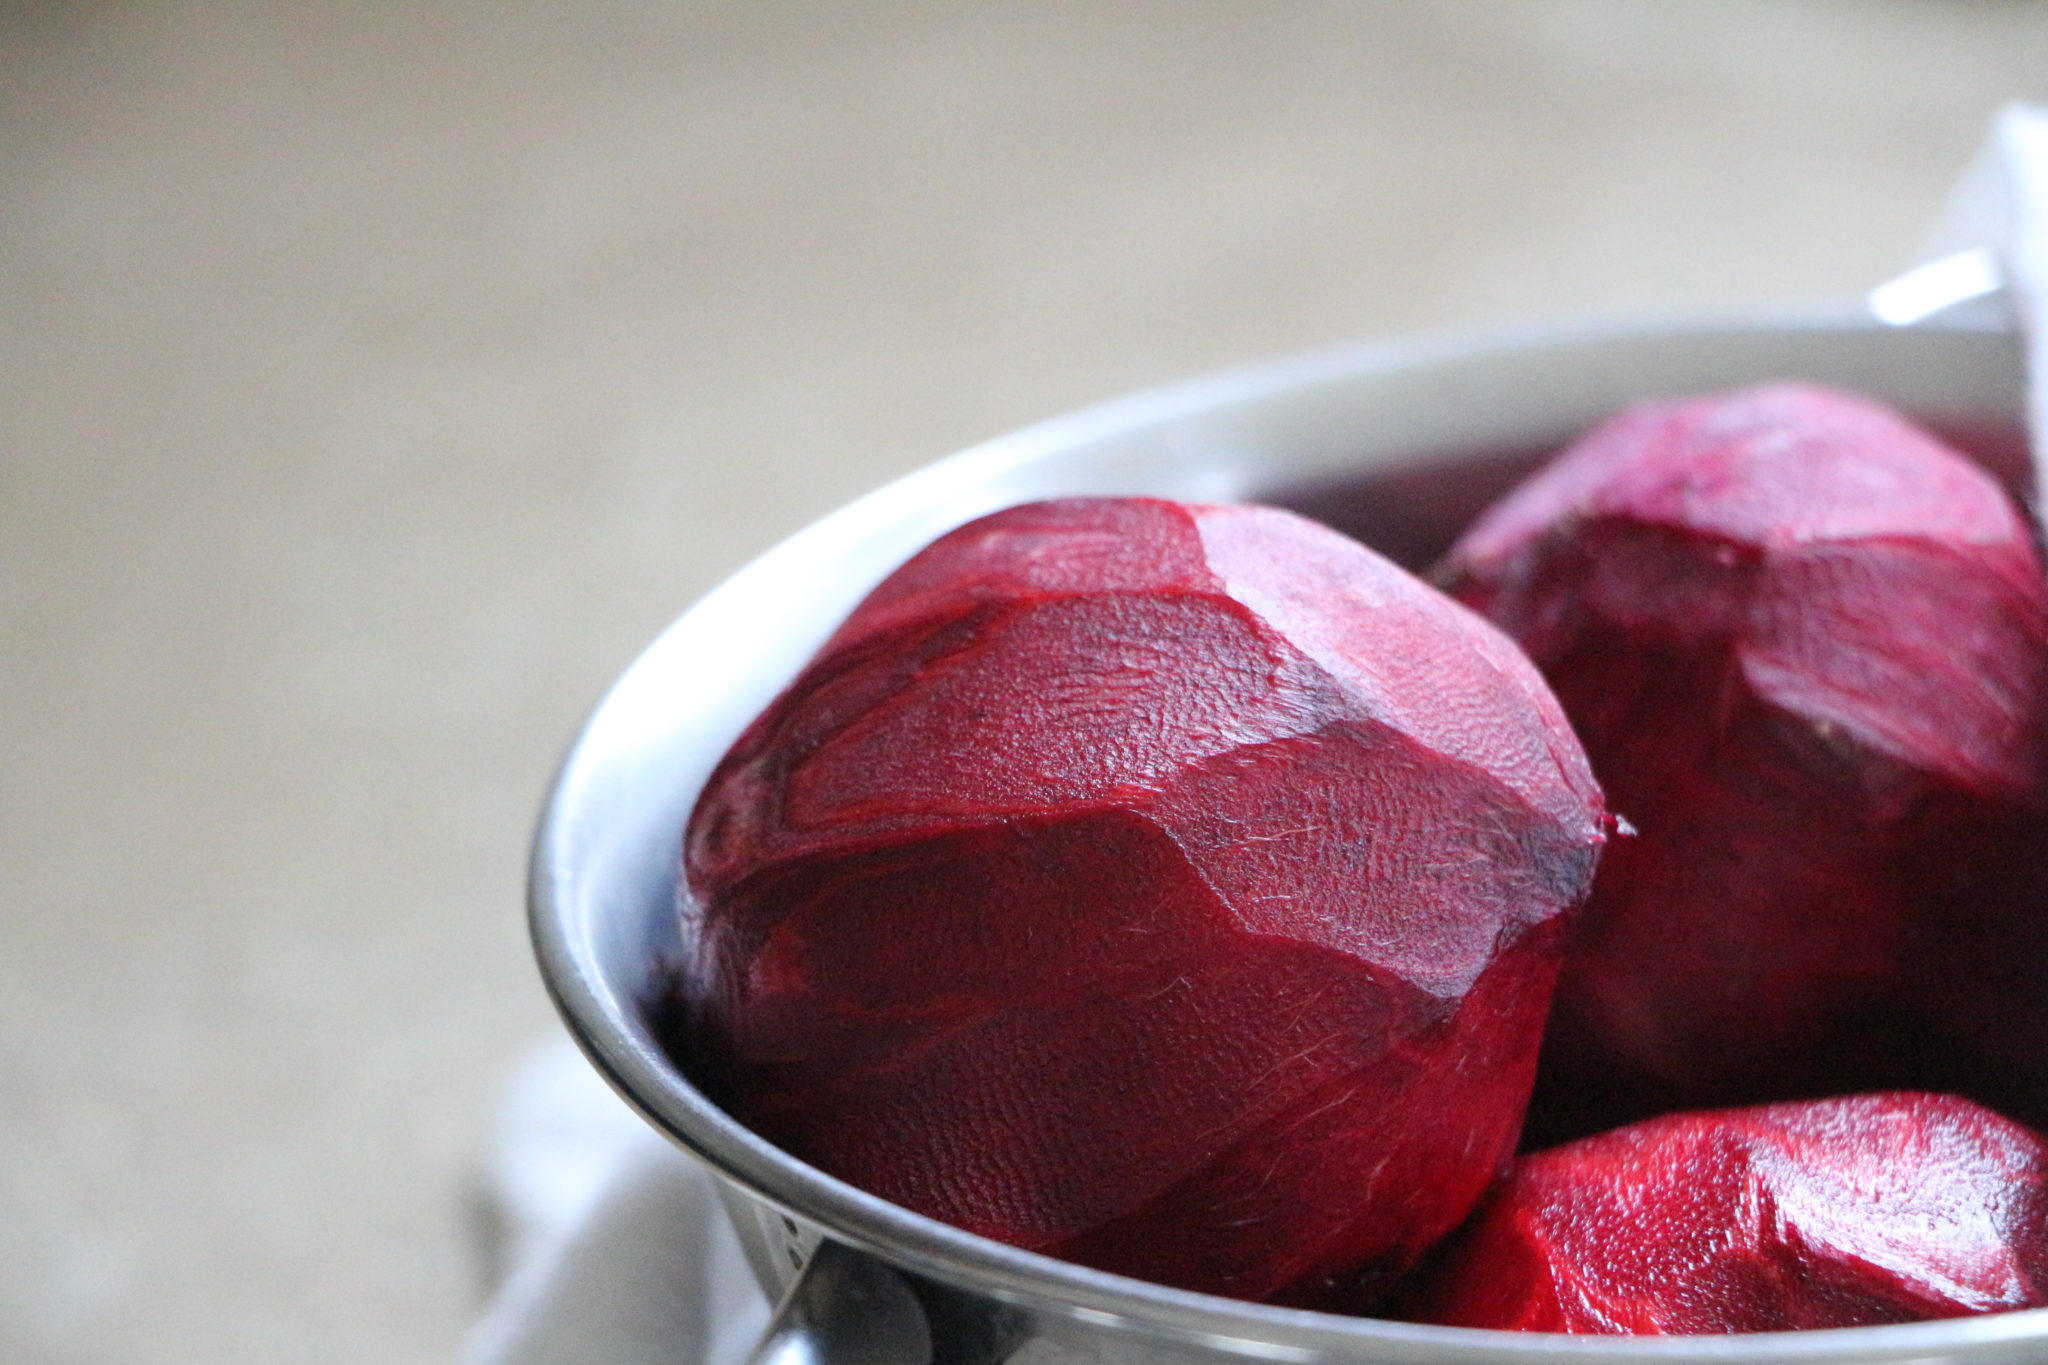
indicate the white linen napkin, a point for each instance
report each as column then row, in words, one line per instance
column 1986, row 263
column 615, row 1248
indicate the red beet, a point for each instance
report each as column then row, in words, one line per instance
column 1171, row 889
column 1803, row 643
column 1822, row 1213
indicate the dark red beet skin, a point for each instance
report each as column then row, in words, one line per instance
column 1822, row 1213
column 1171, row 889
column 1803, row 643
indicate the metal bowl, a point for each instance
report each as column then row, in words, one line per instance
column 1358, row 429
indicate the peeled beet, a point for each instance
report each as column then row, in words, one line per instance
column 1821, row 1213
column 1171, row 889
column 1803, row 642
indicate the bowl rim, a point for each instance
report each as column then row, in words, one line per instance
column 650, row 1084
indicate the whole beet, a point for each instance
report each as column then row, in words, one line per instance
column 1803, row 643
column 1171, row 889
column 1821, row 1213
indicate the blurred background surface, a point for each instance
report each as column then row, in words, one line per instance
column 376, row 379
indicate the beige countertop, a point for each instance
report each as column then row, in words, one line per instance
column 375, row 379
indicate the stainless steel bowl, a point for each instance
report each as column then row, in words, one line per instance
column 886, row 1284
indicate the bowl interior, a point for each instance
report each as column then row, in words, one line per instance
column 1399, row 443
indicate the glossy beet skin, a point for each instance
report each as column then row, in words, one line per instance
column 1171, row 889
column 1821, row 1213
column 1803, row 643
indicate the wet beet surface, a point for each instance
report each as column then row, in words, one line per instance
column 1852, row 1212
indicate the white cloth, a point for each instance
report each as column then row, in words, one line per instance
column 1987, row 259
column 615, row 1249
column 2003, row 206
